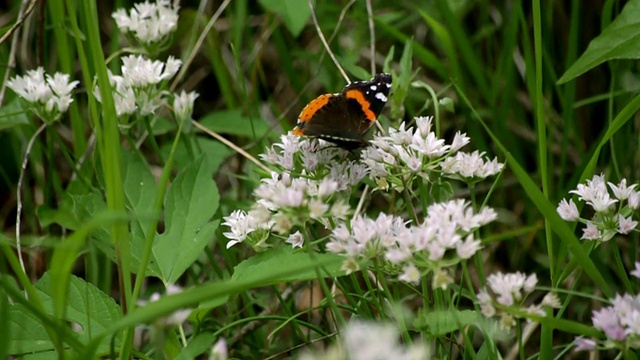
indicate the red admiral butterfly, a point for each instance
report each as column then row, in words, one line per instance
column 344, row 118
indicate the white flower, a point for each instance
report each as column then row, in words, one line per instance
column 584, row 344
column 551, row 300
column 634, row 200
column 369, row 340
column 622, row 192
column 595, row 194
column 139, row 72
column 183, row 105
column 485, row 302
column 49, row 98
column 149, row 23
column 591, row 232
column 410, row 274
column 508, row 287
column 568, row 211
column 459, row 140
column 471, row 165
column 636, row 272
column 442, row 279
column 240, row 225
column 219, row 350
column 468, row 248
column 626, row 225
column 296, row 240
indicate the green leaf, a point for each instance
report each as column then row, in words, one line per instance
column 294, row 13
column 234, row 123
column 619, row 40
column 439, row 323
column 89, row 308
column 13, row 114
column 191, row 202
column 278, row 260
column 139, row 189
column 198, row 346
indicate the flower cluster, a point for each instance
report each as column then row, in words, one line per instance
column 509, row 294
column 139, row 88
column 308, row 186
column 443, row 239
column 50, row 98
column 395, row 160
column 369, row 340
column 611, row 214
column 620, row 322
column 149, row 23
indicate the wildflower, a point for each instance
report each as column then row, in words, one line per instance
column 622, row 191
column 568, row 210
column 470, row 166
column 591, row 232
column 636, row 272
column 240, row 225
column 410, row 274
column 149, row 23
column 595, row 193
column 584, row 344
column 183, row 105
column 49, row 98
column 137, row 89
column 377, row 341
column 219, row 350
column 625, row 225
column 509, row 294
column 296, row 240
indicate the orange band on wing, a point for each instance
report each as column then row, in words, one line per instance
column 297, row 131
column 310, row 110
column 359, row 97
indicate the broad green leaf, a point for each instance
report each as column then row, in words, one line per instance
column 439, row 323
column 140, row 190
column 294, row 13
column 280, row 259
column 88, row 307
column 26, row 333
column 234, row 123
column 216, row 152
column 13, row 114
column 198, row 346
column 191, row 202
column 619, row 40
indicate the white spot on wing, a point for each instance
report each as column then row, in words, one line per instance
column 381, row 97
column 373, row 87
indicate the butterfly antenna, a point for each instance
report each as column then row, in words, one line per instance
column 372, row 31
column 324, row 42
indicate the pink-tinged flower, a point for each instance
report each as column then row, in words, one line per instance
column 607, row 320
column 468, row 248
column 626, row 225
column 568, row 210
column 591, row 232
column 622, row 191
column 584, row 344
column 634, row 200
column 595, row 194
column 636, row 272
column 296, row 240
